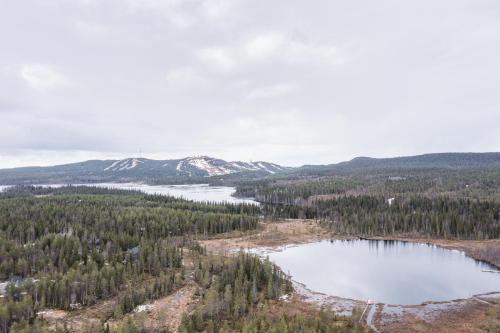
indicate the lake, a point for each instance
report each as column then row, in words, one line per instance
column 196, row 192
column 391, row 272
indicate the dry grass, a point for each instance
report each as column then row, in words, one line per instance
column 271, row 234
column 473, row 317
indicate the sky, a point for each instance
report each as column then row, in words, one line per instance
column 286, row 81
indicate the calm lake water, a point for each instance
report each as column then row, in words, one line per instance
column 389, row 272
column 197, row 192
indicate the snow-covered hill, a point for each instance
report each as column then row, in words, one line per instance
column 191, row 166
column 140, row 169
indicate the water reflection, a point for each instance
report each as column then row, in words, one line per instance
column 387, row 271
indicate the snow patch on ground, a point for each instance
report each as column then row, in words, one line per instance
column 3, row 287
column 143, row 308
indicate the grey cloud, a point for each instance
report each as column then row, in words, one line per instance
column 302, row 82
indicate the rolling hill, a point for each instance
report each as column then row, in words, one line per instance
column 188, row 169
column 199, row 169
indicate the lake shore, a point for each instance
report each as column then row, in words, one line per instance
column 276, row 234
column 463, row 315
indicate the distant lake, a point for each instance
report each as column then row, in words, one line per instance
column 390, row 272
column 196, row 192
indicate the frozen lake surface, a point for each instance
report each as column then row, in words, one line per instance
column 390, row 272
column 196, row 192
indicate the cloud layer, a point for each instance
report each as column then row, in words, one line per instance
column 293, row 83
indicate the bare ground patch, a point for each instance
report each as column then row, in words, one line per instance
column 83, row 320
column 164, row 313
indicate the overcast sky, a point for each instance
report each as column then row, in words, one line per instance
column 292, row 82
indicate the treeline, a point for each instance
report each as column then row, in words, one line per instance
column 263, row 320
column 472, row 184
column 120, row 221
column 130, row 198
column 34, row 190
column 214, row 207
column 433, row 217
column 442, row 217
column 320, row 322
column 294, row 192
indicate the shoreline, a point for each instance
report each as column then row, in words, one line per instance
column 277, row 235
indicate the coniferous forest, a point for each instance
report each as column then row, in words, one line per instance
column 71, row 248
column 451, row 205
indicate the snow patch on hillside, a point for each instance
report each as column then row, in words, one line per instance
column 206, row 164
column 263, row 167
column 244, row 166
column 126, row 164
column 188, row 166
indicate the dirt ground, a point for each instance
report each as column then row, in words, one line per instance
column 82, row 320
column 164, row 313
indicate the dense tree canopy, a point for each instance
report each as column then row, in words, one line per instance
column 71, row 247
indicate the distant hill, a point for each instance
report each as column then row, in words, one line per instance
column 212, row 170
column 427, row 161
column 442, row 161
column 137, row 169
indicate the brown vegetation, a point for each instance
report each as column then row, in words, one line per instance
column 271, row 234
